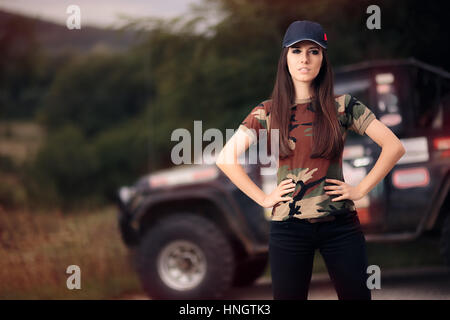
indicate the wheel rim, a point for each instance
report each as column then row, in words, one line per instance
column 181, row 265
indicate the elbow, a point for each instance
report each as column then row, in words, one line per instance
column 224, row 159
column 401, row 149
column 220, row 160
column 396, row 148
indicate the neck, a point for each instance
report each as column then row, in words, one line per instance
column 303, row 91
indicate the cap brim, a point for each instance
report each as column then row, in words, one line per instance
column 290, row 44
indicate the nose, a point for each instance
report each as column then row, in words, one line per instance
column 304, row 57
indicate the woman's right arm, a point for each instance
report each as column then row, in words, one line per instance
column 227, row 161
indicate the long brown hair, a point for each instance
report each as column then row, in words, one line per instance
column 327, row 138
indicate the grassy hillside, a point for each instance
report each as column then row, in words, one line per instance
column 37, row 247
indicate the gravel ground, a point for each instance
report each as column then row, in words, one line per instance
column 424, row 283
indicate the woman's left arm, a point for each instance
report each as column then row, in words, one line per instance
column 392, row 151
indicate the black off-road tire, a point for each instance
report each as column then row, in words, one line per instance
column 206, row 236
column 249, row 271
column 445, row 240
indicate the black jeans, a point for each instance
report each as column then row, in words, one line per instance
column 292, row 245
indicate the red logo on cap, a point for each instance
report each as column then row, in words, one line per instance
column 325, row 36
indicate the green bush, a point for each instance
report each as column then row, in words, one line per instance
column 74, row 172
column 95, row 93
column 123, row 153
column 63, row 170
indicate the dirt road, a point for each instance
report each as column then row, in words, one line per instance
column 427, row 283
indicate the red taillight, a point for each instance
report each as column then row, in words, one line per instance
column 363, row 215
column 442, row 146
column 441, row 143
column 445, row 154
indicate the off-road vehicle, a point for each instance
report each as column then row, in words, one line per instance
column 194, row 234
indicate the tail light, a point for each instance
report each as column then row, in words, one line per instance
column 363, row 215
column 411, row 178
column 442, row 146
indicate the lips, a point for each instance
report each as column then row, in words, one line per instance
column 304, row 70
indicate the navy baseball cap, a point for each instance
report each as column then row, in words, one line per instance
column 305, row 30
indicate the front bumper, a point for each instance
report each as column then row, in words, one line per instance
column 130, row 236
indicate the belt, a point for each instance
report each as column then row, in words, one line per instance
column 322, row 219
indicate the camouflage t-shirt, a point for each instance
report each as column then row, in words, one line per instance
column 309, row 198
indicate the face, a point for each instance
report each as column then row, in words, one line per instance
column 304, row 60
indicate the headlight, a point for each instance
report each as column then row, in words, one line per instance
column 126, row 193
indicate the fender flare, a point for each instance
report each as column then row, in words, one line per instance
column 222, row 200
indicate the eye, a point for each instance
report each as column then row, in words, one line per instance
column 296, row 51
column 315, row 52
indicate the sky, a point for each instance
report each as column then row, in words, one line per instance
column 100, row 13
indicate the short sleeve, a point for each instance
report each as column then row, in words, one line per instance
column 254, row 122
column 358, row 114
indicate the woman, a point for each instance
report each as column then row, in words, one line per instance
column 313, row 206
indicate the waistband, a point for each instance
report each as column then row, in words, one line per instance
column 330, row 217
